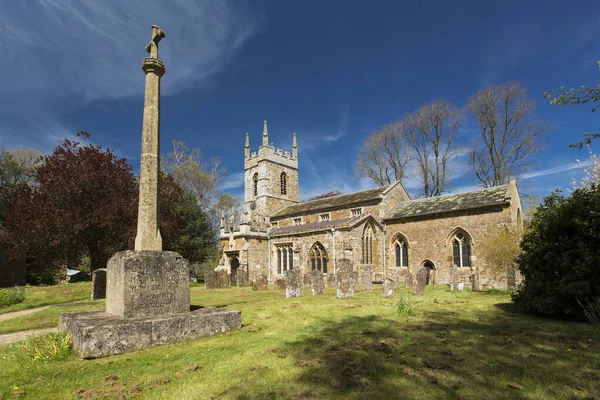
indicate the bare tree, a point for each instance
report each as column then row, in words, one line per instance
column 508, row 133
column 384, row 155
column 189, row 170
column 430, row 132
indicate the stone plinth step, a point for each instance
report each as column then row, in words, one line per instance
column 98, row 334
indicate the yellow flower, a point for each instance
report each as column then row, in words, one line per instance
column 36, row 357
column 15, row 388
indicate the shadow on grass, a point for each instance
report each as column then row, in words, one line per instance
column 441, row 355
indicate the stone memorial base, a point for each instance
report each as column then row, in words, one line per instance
column 98, row 334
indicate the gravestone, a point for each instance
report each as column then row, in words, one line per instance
column 99, row 284
column 261, row 282
column 317, row 283
column 394, row 275
column 421, row 281
column 293, row 283
column 388, row 288
column 210, row 279
column 408, row 280
column 306, row 279
column 222, row 279
column 147, row 290
column 476, row 280
column 367, row 280
column 345, row 279
column 331, row 280
column 241, row 277
column 454, row 278
column 280, row 284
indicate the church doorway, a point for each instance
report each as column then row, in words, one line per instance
column 430, row 272
column 235, row 264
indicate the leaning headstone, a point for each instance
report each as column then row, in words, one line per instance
column 261, row 282
column 222, row 279
column 476, row 280
column 317, row 283
column 421, row 281
column 280, row 284
column 241, row 277
column 99, row 284
column 345, row 279
column 408, row 280
column 388, row 288
column 210, row 279
column 394, row 275
column 367, row 280
column 454, row 278
column 293, row 283
column 331, row 280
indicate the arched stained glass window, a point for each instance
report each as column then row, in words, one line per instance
column 367, row 245
column 461, row 250
column 401, row 250
column 283, row 182
column 318, row 258
column 255, row 182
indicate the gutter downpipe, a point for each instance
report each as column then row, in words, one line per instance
column 333, row 239
column 384, row 254
column 269, row 257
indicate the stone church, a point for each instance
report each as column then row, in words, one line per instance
column 381, row 229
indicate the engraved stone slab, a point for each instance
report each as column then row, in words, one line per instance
column 454, row 278
column 476, row 280
column 408, row 280
column 317, row 283
column 210, row 279
column 421, row 281
column 367, row 280
column 280, row 284
column 388, row 288
column 345, row 279
column 241, row 277
column 147, row 283
column 261, row 282
column 99, row 284
column 293, row 283
column 222, row 279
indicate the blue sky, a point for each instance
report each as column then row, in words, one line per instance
column 332, row 71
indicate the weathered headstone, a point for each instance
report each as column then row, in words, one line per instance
column 148, row 290
column 261, row 282
column 331, row 280
column 222, row 279
column 409, row 281
column 210, row 279
column 476, row 280
column 241, row 277
column 454, row 278
column 421, row 281
column 99, row 284
column 317, row 283
column 394, row 275
column 280, row 284
column 367, row 279
column 293, row 283
column 388, row 288
column 345, row 279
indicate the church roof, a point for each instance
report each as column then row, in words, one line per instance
column 315, row 226
column 497, row 195
column 348, row 200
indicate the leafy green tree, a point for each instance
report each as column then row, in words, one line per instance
column 560, row 255
column 16, row 167
column 500, row 251
column 577, row 96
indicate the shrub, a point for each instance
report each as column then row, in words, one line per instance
column 591, row 309
column 560, row 255
column 11, row 296
column 406, row 304
column 46, row 347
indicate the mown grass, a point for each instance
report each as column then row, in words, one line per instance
column 456, row 345
column 46, row 295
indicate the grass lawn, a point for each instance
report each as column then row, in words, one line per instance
column 463, row 345
column 47, row 295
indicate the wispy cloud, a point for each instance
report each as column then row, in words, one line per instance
column 233, row 181
column 556, row 170
column 59, row 56
column 311, row 140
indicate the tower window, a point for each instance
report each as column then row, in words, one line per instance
column 255, row 181
column 283, row 181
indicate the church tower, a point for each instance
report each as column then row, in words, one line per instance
column 270, row 178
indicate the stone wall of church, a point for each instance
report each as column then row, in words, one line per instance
column 429, row 239
column 252, row 252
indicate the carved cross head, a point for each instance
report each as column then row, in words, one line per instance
column 152, row 47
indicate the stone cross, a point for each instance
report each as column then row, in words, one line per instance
column 148, row 233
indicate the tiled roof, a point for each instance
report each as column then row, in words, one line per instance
column 497, row 195
column 315, row 226
column 330, row 202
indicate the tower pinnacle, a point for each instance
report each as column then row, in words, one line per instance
column 265, row 136
column 247, row 147
column 294, row 147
